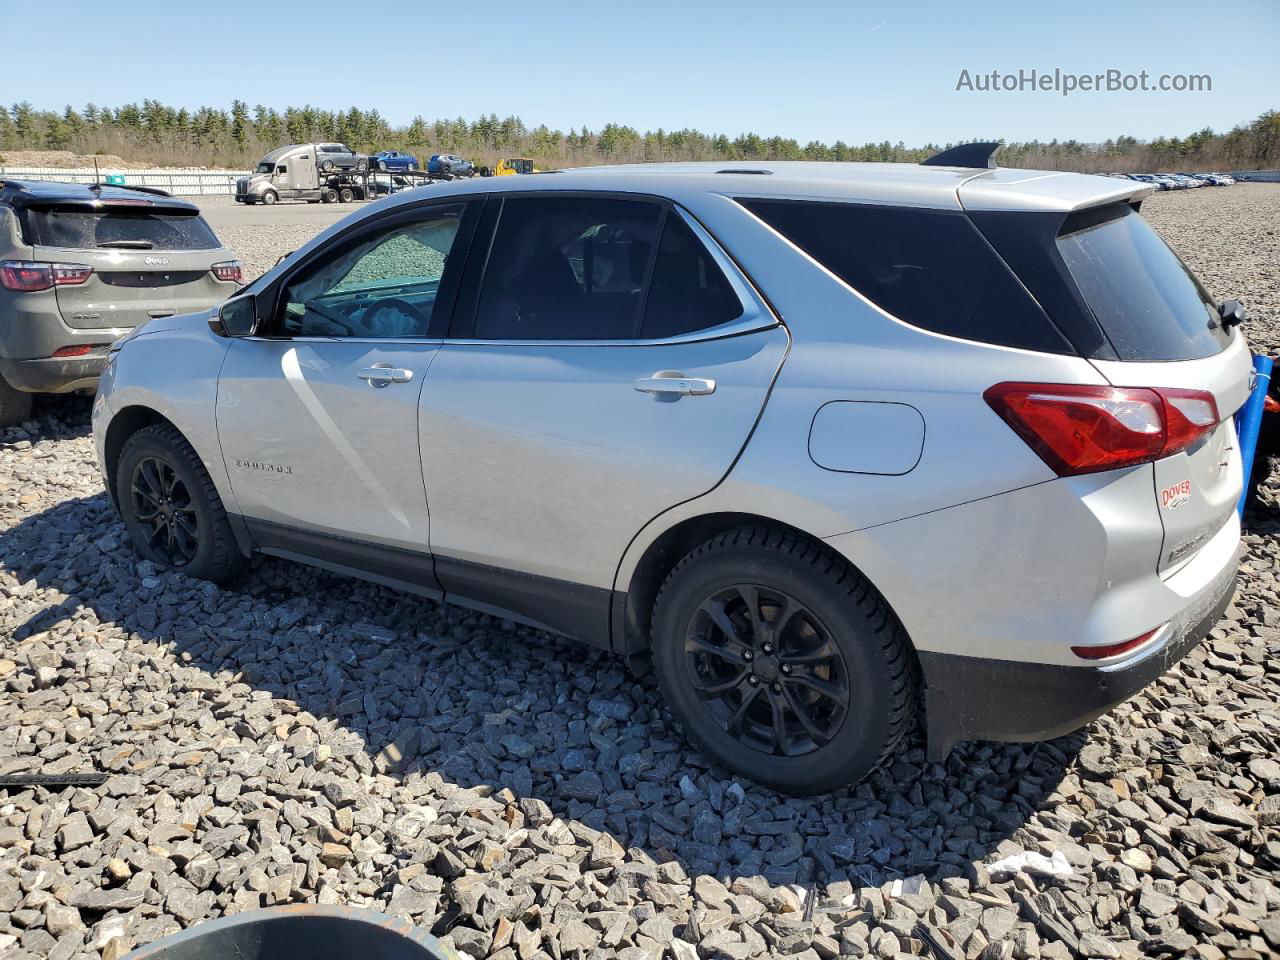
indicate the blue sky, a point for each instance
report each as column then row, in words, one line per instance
column 853, row 70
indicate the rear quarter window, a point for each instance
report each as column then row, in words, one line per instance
column 929, row 268
column 126, row 228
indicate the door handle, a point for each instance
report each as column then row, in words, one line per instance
column 379, row 375
column 669, row 384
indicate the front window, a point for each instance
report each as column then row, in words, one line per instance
column 381, row 286
column 264, row 168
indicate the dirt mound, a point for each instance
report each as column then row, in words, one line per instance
column 65, row 158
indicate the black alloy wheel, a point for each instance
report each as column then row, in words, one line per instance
column 163, row 506
column 767, row 670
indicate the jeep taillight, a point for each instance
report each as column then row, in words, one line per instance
column 1078, row 428
column 28, row 276
column 227, row 270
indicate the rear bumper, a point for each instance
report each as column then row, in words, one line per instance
column 974, row 698
column 55, row 375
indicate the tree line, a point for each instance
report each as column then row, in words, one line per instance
column 166, row 136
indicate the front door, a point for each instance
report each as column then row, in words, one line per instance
column 317, row 416
column 612, row 367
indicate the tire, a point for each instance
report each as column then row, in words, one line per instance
column 270, row 197
column 329, row 195
column 194, row 505
column 382, row 165
column 863, row 661
column 362, row 166
column 346, row 195
column 15, row 404
column 326, row 165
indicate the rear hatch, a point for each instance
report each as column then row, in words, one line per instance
column 1127, row 302
column 149, row 260
column 1166, row 333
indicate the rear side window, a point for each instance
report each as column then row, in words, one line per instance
column 689, row 291
column 928, row 268
column 1148, row 303
column 126, row 228
column 567, row 269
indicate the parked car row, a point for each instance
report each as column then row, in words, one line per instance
column 1178, row 181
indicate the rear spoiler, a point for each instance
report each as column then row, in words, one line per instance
column 1046, row 191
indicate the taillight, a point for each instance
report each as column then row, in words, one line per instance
column 1078, row 428
column 227, row 270
column 28, row 276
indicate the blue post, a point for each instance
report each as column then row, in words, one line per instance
column 1249, row 422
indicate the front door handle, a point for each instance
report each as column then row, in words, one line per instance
column 670, row 384
column 379, row 375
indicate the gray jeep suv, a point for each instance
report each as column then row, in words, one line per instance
column 82, row 265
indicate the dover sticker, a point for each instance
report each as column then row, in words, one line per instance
column 1173, row 497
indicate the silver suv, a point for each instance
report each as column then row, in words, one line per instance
column 82, row 265
column 842, row 446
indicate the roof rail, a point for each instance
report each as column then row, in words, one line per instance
column 979, row 155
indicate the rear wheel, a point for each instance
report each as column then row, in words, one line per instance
column 326, row 165
column 170, row 507
column 346, row 195
column 329, row 195
column 782, row 661
column 15, row 404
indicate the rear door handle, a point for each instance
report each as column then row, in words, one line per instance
column 668, row 383
column 379, row 375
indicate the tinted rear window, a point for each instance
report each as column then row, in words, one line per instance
column 929, row 268
column 1148, row 303
column 125, row 228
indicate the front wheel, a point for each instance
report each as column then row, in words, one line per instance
column 170, row 508
column 782, row 661
column 270, row 197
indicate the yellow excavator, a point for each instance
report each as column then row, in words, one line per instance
column 510, row 167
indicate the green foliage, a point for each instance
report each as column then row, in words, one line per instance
column 156, row 133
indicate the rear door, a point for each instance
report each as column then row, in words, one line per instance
column 1165, row 330
column 148, row 261
column 606, row 363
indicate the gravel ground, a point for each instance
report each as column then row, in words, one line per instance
column 302, row 737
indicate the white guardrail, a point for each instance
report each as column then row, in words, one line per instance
column 176, row 181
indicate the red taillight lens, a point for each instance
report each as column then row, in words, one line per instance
column 1077, row 428
column 1189, row 415
column 1115, row 649
column 28, row 276
column 227, row 270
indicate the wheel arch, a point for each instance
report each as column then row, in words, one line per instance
column 638, row 586
column 124, row 424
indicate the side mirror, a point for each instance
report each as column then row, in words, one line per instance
column 237, row 317
column 1232, row 313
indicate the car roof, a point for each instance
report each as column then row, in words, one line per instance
column 32, row 193
column 905, row 184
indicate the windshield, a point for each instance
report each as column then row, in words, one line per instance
column 265, row 168
column 1148, row 303
column 126, row 228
